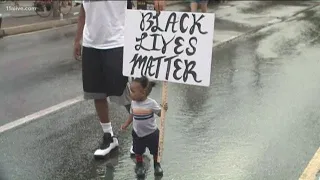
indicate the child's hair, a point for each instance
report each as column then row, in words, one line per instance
column 145, row 83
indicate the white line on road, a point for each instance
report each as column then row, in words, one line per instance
column 39, row 114
column 41, row 31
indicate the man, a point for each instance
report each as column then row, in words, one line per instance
column 101, row 29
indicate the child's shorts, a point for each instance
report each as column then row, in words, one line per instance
column 150, row 141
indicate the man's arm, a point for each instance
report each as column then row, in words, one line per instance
column 81, row 22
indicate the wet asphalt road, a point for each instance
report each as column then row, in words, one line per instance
column 36, row 74
column 258, row 120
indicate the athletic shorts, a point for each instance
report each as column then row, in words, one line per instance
column 102, row 73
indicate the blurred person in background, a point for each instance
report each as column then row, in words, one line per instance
column 203, row 5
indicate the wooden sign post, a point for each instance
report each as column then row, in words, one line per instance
column 164, row 100
column 169, row 47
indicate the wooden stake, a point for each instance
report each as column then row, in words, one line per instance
column 162, row 119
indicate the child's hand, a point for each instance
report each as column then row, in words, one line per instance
column 124, row 127
column 165, row 106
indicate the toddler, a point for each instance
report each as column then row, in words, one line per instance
column 145, row 132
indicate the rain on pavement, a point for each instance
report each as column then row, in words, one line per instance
column 257, row 120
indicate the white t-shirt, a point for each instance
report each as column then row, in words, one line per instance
column 104, row 24
column 144, row 122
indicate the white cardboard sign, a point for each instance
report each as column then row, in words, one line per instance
column 171, row 46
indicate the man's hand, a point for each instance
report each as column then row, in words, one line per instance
column 77, row 50
column 159, row 5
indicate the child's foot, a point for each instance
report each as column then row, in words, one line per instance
column 158, row 170
column 140, row 171
column 109, row 143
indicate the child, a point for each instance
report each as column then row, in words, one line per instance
column 145, row 133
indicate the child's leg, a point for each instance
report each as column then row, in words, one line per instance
column 153, row 145
column 139, row 149
column 152, row 142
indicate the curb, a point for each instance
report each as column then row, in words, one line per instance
column 50, row 24
column 37, row 26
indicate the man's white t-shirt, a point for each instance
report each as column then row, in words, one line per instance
column 104, row 24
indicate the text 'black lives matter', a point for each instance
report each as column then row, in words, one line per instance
column 150, row 28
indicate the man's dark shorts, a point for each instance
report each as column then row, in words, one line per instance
column 150, row 141
column 102, row 73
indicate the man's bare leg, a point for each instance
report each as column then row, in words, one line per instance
column 194, row 6
column 204, row 6
column 102, row 110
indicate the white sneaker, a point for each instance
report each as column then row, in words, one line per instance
column 131, row 151
column 109, row 143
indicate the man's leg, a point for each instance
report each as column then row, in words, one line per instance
column 94, row 87
column 194, row 5
column 102, row 109
column 204, row 6
column 109, row 141
column 118, row 88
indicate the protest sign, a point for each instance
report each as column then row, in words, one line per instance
column 172, row 46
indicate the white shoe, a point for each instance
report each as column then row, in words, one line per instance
column 109, row 143
column 131, row 151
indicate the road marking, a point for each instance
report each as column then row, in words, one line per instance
column 39, row 114
column 313, row 168
column 40, row 31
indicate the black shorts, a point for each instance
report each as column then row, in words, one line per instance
column 102, row 73
column 150, row 141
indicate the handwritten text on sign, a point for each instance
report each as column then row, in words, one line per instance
column 172, row 46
